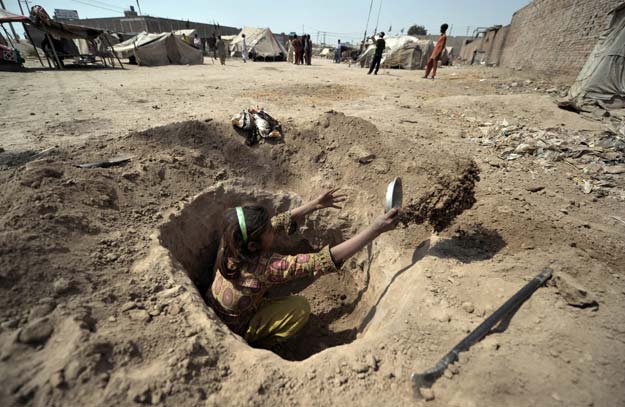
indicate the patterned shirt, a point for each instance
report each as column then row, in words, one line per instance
column 236, row 301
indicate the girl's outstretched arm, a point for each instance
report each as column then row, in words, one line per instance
column 329, row 199
column 348, row 248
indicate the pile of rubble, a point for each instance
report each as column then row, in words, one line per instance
column 598, row 157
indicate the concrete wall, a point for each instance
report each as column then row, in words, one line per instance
column 452, row 41
column 486, row 48
column 555, row 36
column 135, row 25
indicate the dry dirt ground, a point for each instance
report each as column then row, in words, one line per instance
column 99, row 267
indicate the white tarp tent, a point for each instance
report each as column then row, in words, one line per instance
column 261, row 44
column 403, row 51
column 603, row 76
column 159, row 49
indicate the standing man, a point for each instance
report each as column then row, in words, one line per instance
column 221, row 50
column 308, row 55
column 291, row 51
column 244, row 51
column 212, row 45
column 297, row 47
column 197, row 43
column 436, row 54
column 380, row 44
column 337, row 53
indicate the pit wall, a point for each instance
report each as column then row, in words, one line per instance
column 555, row 37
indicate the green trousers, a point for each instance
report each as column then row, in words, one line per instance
column 276, row 320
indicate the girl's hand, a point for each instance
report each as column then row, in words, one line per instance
column 386, row 222
column 329, row 199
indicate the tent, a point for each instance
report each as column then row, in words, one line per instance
column 159, row 49
column 448, row 56
column 602, row 78
column 403, row 51
column 261, row 44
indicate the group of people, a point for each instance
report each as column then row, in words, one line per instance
column 215, row 46
column 300, row 50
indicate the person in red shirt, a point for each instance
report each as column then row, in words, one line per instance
column 437, row 53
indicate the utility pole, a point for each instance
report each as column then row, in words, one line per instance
column 451, row 29
column 139, row 7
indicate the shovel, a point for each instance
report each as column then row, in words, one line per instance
column 427, row 378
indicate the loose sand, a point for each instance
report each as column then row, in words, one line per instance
column 102, row 270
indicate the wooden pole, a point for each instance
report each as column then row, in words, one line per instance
column 56, row 57
column 113, row 51
column 10, row 24
column 33, row 42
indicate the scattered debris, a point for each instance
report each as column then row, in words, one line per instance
column 573, row 292
column 106, row 163
column 598, row 157
column 361, row 155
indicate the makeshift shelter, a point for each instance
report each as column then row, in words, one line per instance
column 261, row 45
column 57, row 39
column 159, row 49
column 602, row 78
column 403, row 52
column 10, row 58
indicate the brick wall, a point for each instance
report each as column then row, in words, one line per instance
column 555, row 36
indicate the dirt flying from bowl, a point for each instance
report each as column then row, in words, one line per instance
column 453, row 193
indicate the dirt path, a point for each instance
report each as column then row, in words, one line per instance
column 97, row 307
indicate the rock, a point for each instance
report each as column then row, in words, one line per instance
column 552, row 90
column 360, row 155
column 587, row 187
column 57, row 380
column 524, row 148
column 41, row 310
column 573, row 292
column 131, row 175
column 139, row 315
column 381, row 167
column 448, row 374
column 10, row 324
column 111, row 257
column 535, row 188
column 428, row 394
column 170, row 292
column 61, row 285
column 468, row 307
column 221, row 175
column 37, row 332
column 128, row 306
column 360, row 367
column 615, row 169
column 453, row 369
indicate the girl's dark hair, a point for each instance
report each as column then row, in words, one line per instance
column 444, row 27
column 232, row 247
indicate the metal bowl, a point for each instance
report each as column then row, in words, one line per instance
column 394, row 195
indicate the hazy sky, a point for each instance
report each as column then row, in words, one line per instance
column 345, row 19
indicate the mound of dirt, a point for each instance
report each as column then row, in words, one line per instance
column 453, row 193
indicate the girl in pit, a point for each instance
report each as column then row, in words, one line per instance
column 246, row 267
